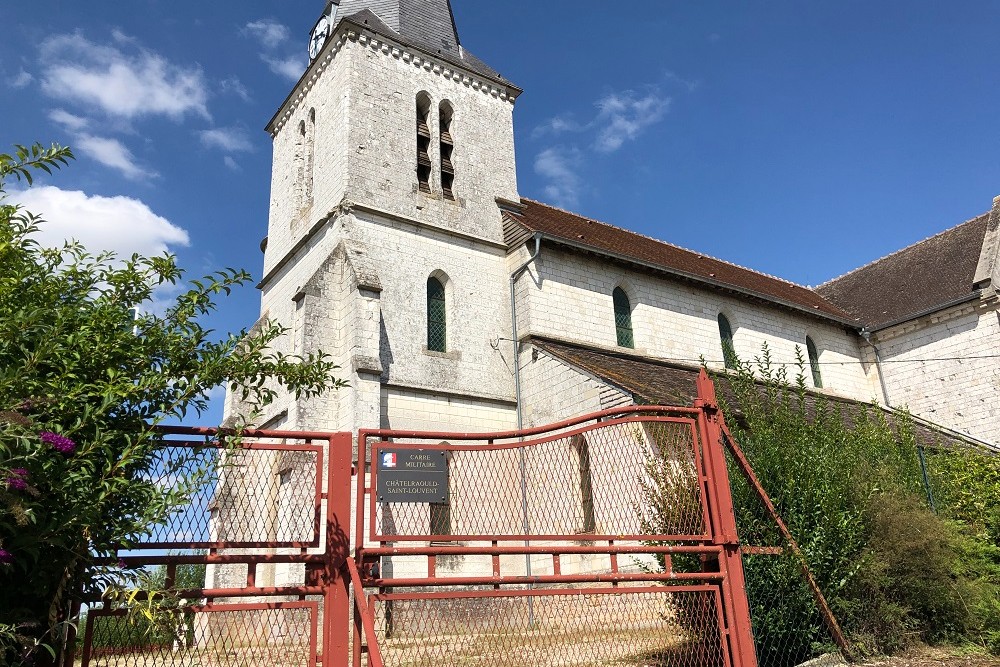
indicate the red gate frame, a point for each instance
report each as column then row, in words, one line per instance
column 332, row 569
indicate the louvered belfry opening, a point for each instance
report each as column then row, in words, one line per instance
column 423, row 142
column 447, row 151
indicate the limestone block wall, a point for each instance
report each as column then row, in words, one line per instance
column 310, row 155
column 569, row 296
column 956, row 390
column 386, row 80
column 478, row 315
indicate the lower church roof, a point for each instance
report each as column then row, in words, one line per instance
column 660, row 382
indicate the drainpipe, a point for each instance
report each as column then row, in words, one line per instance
column 520, row 417
column 513, row 320
column 867, row 335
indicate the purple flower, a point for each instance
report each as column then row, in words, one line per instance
column 18, row 479
column 122, row 564
column 6, row 557
column 59, row 442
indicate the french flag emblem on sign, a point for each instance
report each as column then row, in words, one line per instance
column 389, row 460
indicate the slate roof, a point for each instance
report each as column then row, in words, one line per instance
column 661, row 382
column 603, row 238
column 428, row 25
column 925, row 276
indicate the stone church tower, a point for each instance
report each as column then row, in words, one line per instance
column 385, row 241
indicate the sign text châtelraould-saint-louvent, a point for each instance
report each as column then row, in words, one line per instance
column 412, row 476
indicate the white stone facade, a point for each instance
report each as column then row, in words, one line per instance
column 943, row 367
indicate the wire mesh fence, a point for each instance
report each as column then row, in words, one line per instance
column 558, row 626
column 284, row 634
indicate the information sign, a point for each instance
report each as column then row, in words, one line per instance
column 412, row 476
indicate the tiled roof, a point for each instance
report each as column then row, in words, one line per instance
column 428, row 25
column 930, row 274
column 658, row 382
column 603, row 238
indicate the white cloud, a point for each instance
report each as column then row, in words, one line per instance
column 291, row 67
column 68, row 121
column 558, row 166
column 112, row 153
column 121, row 224
column 273, row 38
column 620, row 117
column 127, row 85
column 268, row 32
column 231, row 163
column 20, row 80
column 235, row 86
column 623, row 116
column 228, row 139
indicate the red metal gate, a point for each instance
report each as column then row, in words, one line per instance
column 607, row 539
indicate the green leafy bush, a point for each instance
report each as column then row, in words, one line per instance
column 87, row 372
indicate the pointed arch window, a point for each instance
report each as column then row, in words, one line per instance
column 623, row 318
column 424, row 142
column 447, row 114
column 814, row 363
column 726, row 336
column 437, row 325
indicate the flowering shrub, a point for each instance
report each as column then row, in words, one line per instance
column 86, row 375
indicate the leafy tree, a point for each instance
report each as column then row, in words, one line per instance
column 87, row 372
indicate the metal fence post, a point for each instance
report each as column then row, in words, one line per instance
column 723, row 527
column 337, row 598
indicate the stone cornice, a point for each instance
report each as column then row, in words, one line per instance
column 351, row 32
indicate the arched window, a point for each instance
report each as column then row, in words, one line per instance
column 437, row 326
column 814, row 363
column 447, row 151
column 726, row 335
column 424, row 142
column 582, row 449
column 623, row 318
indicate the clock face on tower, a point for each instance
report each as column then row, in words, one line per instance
column 318, row 37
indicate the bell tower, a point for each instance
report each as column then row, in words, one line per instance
column 390, row 154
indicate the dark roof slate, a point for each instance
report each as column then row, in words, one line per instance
column 605, row 238
column 920, row 278
column 428, row 25
column 659, row 382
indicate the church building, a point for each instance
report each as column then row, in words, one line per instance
column 398, row 243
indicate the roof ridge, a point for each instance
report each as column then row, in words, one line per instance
column 701, row 255
column 902, row 250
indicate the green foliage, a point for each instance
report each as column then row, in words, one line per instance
column 847, row 481
column 87, row 371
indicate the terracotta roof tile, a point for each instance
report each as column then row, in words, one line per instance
column 604, row 238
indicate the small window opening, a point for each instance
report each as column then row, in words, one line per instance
column 447, row 151
column 423, row 143
column 726, row 335
column 437, row 328
column 582, row 449
column 440, row 517
column 814, row 363
column 623, row 318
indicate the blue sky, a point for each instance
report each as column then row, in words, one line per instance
column 799, row 139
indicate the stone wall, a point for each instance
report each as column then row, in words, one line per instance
column 956, row 389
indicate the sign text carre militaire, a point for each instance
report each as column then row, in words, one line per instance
column 412, row 476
